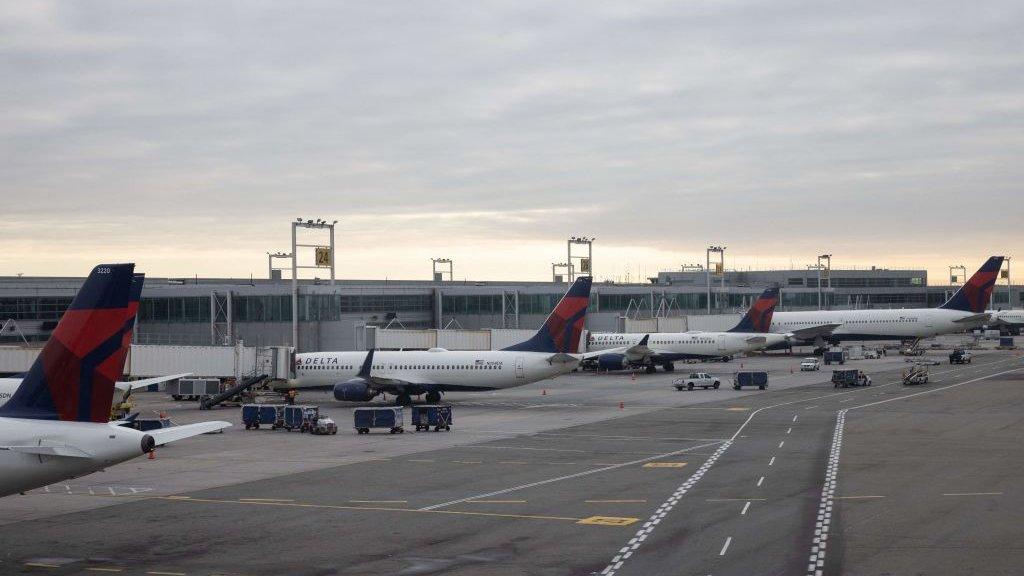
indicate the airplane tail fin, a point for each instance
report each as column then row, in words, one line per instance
column 974, row 294
column 561, row 331
column 73, row 377
column 759, row 317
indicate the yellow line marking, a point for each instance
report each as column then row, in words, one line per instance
column 608, row 521
column 104, row 569
column 41, row 565
column 614, row 501
column 856, row 497
column 512, row 462
column 379, row 501
column 155, row 573
column 496, row 502
column 664, row 464
column 377, row 509
column 467, row 461
column 177, row 497
column 737, row 409
column 975, row 494
column 421, row 460
column 265, row 500
column 736, row 500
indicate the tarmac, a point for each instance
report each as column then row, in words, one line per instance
column 585, row 474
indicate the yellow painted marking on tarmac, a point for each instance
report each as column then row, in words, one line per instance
column 664, row 464
column 974, row 494
column 377, row 509
column 177, row 497
column 157, row 573
column 266, row 500
column 857, row 497
column 495, row 502
column 608, row 521
column 512, row 462
column 737, row 409
column 467, row 461
column 40, row 565
column 614, row 501
column 104, row 569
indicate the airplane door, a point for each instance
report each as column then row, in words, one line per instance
column 520, row 368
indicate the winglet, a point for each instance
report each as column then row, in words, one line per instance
column 364, row 370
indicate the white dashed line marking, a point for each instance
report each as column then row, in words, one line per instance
column 760, row 481
column 725, row 547
column 781, row 443
column 789, row 431
column 772, row 461
column 795, row 416
column 745, row 508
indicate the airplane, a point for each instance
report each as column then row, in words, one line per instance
column 613, row 351
column 963, row 311
column 9, row 385
column 55, row 426
column 361, row 376
column 1011, row 320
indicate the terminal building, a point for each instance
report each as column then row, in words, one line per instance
column 209, row 311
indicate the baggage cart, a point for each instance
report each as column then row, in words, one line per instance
column 388, row 417
column 847, row 378
column 255, row 415
column 437, row 415
column 759, row 379
column 300, row 417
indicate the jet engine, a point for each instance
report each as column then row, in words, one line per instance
column 355, row 390
column 607, row 362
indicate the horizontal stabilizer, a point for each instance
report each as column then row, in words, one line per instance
column 136, row 384
column 174, row 433
column 562, row 358
column 975, row 319
column 63, row 451
column 813, row 332
column 756, row 340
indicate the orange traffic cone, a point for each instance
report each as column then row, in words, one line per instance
column 152, row 454
column 622, row 405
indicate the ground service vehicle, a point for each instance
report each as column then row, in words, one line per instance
column 697, row 380
column 916, row 375
column 847, row 378
column 960, row 357
column 438, row 416
column 759, row 379
column 809, row 365
column 834, row 357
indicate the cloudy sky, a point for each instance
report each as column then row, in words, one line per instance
column 186, row 135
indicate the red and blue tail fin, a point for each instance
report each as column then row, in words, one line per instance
column 561, row 331
column 974, row 294
column 73, row 377
column 759, row 317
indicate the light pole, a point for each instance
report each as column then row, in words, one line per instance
column 439, row 272
column 828, row 273
column 270, row 263
column 324, row 258
column 719, row 268
column 586, row 263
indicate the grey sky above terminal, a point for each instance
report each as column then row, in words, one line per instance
column 192, row 132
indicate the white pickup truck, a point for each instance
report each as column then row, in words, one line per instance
column 810, row 364
column 697, row 380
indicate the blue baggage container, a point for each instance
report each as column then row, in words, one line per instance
column 1006, row 341
column 385, row 417
column 300, row 417
column 251, row 415
column 271, row 415
column 439, row 416
column 759, row 379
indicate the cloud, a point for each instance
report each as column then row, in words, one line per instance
column 779, row 128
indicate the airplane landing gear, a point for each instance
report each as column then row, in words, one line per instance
column 403, row 400
column 433, row 397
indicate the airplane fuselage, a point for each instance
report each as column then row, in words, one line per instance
column 687, row 345
column 890, row 324
column 87, row 448
column 435, row 370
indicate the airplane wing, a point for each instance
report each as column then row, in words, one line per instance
column 636, row 351
column 813, row 332
column 174, row 433
column 975, row 319
column 64, row 451
column 136, row 384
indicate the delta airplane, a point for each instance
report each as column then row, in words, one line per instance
column 361, row 376
column 1013, row 320
column 963, row 311
column 9, row 385
column 55, row 426
column 613, row 351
